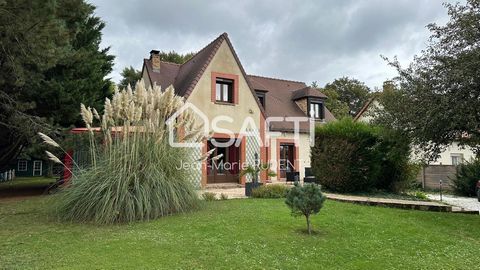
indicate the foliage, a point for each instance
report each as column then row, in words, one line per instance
column 50, row 57
column 130, row 76
column 209, row 196
column 174, row 57
column 305, row 201
column 270, row 191
column 436, row 98
column 420, row 195
column 223, row 196
column 346, row 96
column 254, row 170
column 352, row 156
column 466, row 178
column 134, row 173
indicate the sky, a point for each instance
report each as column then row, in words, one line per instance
column 309, row 40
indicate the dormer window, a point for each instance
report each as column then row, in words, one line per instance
column 261, row 97
column 316, row 109
column 224, row 90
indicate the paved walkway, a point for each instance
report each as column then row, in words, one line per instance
column 239, row 192
column 466, row 203
column 394, row 203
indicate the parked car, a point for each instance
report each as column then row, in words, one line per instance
column 478, row 190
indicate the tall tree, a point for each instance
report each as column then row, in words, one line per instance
column 437, row 98
column 50, row 63
column 129, row 76
column 174, row 57
column 346, row 96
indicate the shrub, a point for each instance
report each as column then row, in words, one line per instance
column 223, row 196
column 133, row 174
column 420, row 195
column 305, row 201
column 270, row 191
column 466, row 177
column 352, row 157
column 209, row 196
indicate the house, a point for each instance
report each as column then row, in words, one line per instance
column 26, row 167
column 443, row 168
column 215, row 82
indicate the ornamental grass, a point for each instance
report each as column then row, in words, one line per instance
column 134, row 173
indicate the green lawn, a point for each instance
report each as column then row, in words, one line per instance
column 251, row 233
column 26, row 183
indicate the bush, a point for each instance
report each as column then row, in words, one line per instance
column 353, row 157
column 223, row 197
column 305, row 201
column 466, row 178
column 420, row 195
column 270, row 191
column 209, row 196
column 133, row 175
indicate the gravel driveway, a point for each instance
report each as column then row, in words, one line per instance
column 463, row 202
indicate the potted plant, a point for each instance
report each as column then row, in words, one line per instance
column 254, row 171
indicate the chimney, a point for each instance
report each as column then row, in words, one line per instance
column 155, row 58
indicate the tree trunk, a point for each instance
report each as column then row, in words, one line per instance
column 308, row 224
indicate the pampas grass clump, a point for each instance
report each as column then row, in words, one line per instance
column 134, row 174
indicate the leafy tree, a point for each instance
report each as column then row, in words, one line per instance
column 436, row 99
column 50, row 63
column 305, row 201
column 129, row 76
column 174, row 57
column 346, row 96
column 466, row 178
column 337, row 107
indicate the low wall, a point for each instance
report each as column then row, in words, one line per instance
column 431, row 175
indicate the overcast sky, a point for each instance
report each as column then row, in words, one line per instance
column 317, row 40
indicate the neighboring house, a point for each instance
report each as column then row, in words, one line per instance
column 214, row 81
column 29, row 167
column 443, row 168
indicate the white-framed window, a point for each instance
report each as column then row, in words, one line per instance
column 316, row 110
column 224, row 90
column 457, row 159
column 37, row 167
column 22, row 165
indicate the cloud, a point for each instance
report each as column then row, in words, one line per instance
column 300, row 40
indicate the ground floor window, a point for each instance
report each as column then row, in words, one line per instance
column 457, row 159
column 22, row 166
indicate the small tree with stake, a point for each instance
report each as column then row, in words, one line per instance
column 305, row 201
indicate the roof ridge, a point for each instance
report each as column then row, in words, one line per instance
column 278, row 79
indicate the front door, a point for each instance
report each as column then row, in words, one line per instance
column 37, row 168
column 226, row 168
column 286, row 159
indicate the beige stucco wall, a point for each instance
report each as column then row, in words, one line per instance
column 303, row 148
column 224, row 62
column 446, row 156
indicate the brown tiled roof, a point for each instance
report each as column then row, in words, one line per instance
column 307, row 92
column 280, row 94
column 167, row 75
column 279, row 101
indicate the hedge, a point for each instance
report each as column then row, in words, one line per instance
column 350, row 156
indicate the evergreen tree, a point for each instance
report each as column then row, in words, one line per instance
column 51, row 62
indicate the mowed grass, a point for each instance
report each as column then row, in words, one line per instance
column 20, row 183
column 242, row 234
